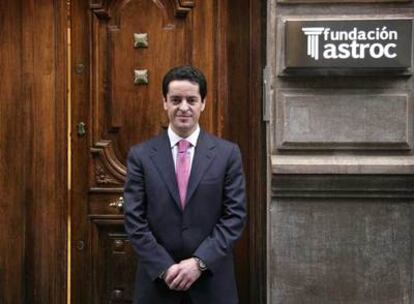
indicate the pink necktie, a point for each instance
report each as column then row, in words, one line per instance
column 183, row 169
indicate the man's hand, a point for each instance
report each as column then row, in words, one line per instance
column 182, row 275
column 171, row 274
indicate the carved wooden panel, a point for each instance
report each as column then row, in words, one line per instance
column 109, row 171
column 114, row 262
column 124, row 113
column 182, row 7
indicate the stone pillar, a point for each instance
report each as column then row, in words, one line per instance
column 341, row 163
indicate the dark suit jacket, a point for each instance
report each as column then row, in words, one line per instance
column 163, row 234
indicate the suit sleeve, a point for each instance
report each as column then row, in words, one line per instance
column 153, row 257
column 219, row 244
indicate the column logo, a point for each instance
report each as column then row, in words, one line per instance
column 313, row 34
column 377, row 43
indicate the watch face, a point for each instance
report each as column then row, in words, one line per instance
column 202, row 265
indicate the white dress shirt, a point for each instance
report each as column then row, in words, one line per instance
column 174, row 139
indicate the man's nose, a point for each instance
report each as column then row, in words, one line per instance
column 184, row 105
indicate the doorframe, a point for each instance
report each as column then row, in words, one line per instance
column 246, row 97
column 257, row 191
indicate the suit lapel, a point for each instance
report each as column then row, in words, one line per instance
column 162, row 158
column 203, row 156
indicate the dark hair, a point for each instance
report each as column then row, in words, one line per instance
column 185, row 72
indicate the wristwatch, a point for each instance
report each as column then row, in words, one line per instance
column 201, row 265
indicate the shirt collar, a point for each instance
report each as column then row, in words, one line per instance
column 192, row 139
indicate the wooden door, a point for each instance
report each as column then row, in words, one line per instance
column 120, row 51
column 33, row 186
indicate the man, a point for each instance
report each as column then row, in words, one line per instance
column 185, row 203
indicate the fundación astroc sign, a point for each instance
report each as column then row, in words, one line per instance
column 349, row 44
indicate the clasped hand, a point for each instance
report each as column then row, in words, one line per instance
column 182, row 275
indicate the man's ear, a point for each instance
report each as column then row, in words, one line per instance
column 164, row 103
column 203, row 104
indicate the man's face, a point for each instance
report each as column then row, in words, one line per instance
column 184, row 106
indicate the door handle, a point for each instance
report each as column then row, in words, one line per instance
column 118, row 204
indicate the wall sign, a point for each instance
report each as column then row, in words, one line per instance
column 350, row 45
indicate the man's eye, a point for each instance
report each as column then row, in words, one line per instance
column 175, row 100
column 191, row 100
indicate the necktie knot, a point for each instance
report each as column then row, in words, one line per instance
column 183, row 146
